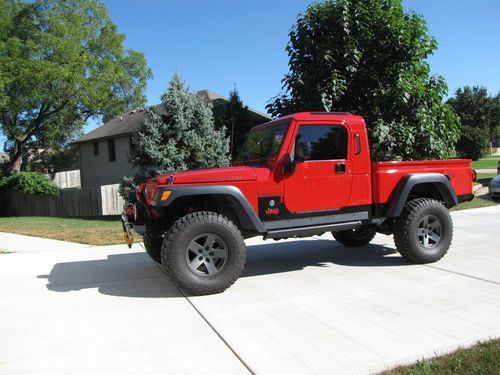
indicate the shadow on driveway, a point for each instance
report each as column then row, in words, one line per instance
column 127, row 275
column 292, row 256
column 136, row 275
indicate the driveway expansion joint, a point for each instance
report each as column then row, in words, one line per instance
column 242, row 361
column 219, row 335
column 462, row 274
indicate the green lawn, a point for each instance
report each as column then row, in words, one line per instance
column 86, row 231
column 489, row 162
column 475, row 203
column 483, row 179
column 481, row 359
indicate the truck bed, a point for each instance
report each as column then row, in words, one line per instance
column 386, row 175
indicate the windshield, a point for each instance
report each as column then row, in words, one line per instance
column 263, row 143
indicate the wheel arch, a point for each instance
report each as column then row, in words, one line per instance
column 425, row 185
column 225, row 199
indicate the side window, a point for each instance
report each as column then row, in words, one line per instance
column 111, row 150
column 321, row 142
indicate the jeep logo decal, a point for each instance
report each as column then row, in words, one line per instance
column 272, row 211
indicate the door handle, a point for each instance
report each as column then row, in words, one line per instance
column 340, row 168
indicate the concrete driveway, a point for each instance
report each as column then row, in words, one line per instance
column 302, row 306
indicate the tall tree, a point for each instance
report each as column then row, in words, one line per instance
column 479, row 113
column 369, row 58
column 236, row 120
column 62, row 62
column 177, row 135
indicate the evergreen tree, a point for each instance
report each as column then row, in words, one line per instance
column 236, row 120
column 177, row 135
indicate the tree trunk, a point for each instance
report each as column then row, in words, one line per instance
column 16, row 161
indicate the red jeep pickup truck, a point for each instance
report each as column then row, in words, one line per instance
column 300, row 175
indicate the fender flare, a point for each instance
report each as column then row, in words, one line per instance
column 247, row 215
column 407, row 183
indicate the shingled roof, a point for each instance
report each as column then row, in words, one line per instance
column 128, row 123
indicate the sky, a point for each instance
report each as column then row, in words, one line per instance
column 221, row 44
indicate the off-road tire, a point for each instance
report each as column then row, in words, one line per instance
column 152, row 244
column 180, row 236
column 406, row 229
column 355, row 237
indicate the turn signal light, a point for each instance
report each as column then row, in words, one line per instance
column 165, row 195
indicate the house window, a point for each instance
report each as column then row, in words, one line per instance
column 111, row 150
column 96, row 148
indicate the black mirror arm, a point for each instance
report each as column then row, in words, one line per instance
column 289, row 165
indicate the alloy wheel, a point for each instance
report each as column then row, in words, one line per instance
column 429, row 231
column 206, row 254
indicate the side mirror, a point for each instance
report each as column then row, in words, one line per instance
column 302, row 151
column 306, row 149
column 288, row 164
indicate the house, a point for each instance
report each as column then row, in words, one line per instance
column 104, row 151
column 4, row 157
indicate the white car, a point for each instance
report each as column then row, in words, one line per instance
column 494, row 188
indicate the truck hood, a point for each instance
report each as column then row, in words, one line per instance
column 209, row 175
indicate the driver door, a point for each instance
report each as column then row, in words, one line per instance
column 323, row 174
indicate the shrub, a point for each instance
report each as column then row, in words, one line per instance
column 473, row 143
column 479, row 114
column 30, row 183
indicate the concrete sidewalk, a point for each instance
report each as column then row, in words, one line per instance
column 302, row 306
column 26, row 244
column 487, row 170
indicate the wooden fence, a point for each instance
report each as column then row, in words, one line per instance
column 93, row 201
column 65, row 180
